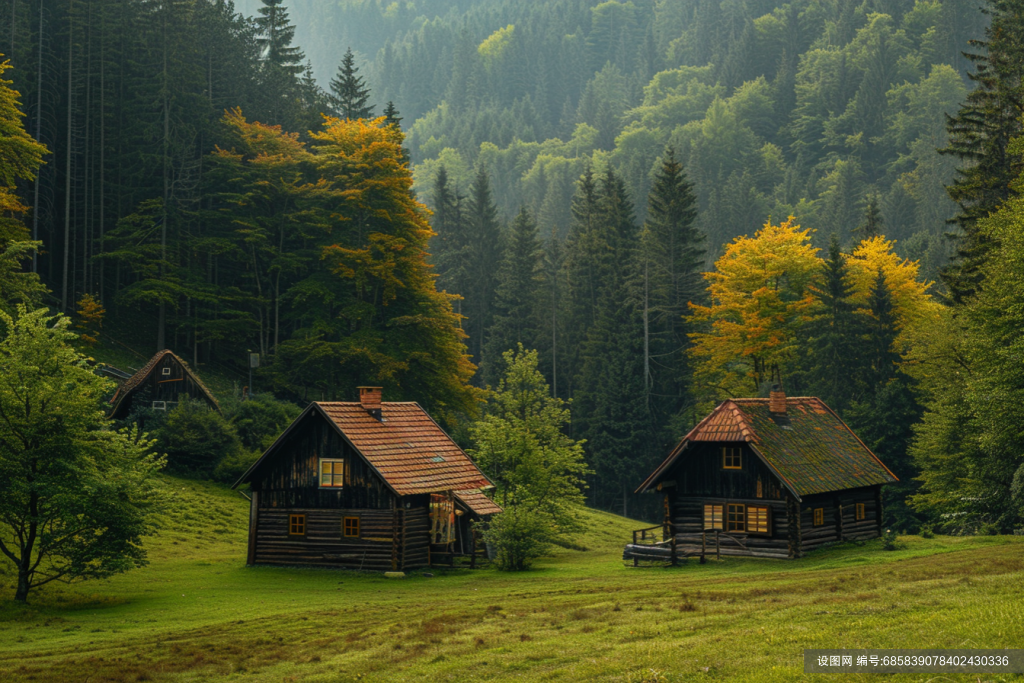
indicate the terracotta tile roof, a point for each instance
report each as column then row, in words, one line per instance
column 139, row 377
column 810, row 448
column 476, row 501
column 409, row 449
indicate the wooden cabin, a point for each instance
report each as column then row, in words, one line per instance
column 365, row 485
column 160, row 384
column 775, row 477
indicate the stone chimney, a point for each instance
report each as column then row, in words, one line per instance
column 777, row 400
column 369, row 399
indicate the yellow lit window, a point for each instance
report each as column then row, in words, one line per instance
column 332, row 473
column 351, row 527
column 757, row 519
column 732, row 457
column 819, row 516
column 713, row 517
column 860, row 511
column 760, row 488
column 735, row 522
column 296, row 525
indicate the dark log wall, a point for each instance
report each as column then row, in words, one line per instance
column 168, row 388
column 688, row 521
column 839, row 513
column 291, row 478
column 699, row 472
column 389, row 539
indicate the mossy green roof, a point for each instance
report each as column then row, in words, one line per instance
column 809, row 447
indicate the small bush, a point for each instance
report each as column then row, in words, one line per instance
column 890, row 540
column 518, row 538
column 261, row 419
column 988, row 529
column 234, row 465
column 927, row 531
column 196, row 439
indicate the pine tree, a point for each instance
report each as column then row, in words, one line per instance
column 484, row 248
column 873, row 222
column 449, row 244
column 672, row 253
column 516, row 296
column 835, row 333
column 391, row 117
column 881, row 356
column 350, row 93
column 979, row 135
column 274, row 38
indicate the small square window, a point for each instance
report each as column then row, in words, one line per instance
column 332, row 473
column 757, row 520
column 860, row 512
column 351, row 527
column 736, row 521
column 166, row 372
column 732, row 457
column 159, row 405
column 713, row 517
column 819, row 516
column 296, row 525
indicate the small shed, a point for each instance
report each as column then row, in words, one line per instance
column 365, row 485
column 160, row 384
column 774, row 477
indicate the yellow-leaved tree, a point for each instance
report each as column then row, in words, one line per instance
column 912, row 303
column 759, row 297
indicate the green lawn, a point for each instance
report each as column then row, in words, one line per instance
column 197, row 613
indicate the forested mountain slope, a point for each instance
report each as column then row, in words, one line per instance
column 814, row 108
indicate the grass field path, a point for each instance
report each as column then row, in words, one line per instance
column 197, row 613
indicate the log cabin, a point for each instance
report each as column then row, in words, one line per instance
column 775, row 477
column 368, row 485
column 159, row 385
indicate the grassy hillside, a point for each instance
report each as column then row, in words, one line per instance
column 197, row 613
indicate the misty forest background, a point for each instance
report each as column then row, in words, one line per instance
column 672, row 201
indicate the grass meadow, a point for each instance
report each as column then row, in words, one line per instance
column 197, row 613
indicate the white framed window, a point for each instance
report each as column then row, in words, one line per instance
column 166, row 372
column 332, row 473
column 159, row 405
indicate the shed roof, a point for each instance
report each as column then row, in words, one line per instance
column 810, row 448
column 407, row 448
column 133, row 382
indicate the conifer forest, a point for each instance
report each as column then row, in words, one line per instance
column 672, row 202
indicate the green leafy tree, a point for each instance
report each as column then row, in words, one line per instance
column 261, row 419
column 75, row 496
column 350, row 91
column 537, row 470
column 196, row 438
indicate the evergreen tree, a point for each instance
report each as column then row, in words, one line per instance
column 515, row 296
column 281, row 65
column 979, row 135
column 484, row 248
column 882, row 358
column 450, row 245
column 835, row 335
column 872, row 226
column 350, row 93
column 391, row 117
column 672, row 253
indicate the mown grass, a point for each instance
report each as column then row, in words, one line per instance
column 196, row 613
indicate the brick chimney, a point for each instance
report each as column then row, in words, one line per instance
column 369, row 399
column 777, row 400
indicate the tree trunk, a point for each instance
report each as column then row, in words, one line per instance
column 21, row 594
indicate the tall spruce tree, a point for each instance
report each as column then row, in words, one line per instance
column 979, row 135
column 350, row 92
column 672, row 256
column 613, row 415
column 281, row 66
column 516, row 296
column 449, row 244
column 391, row 117
column 484, row 248
column 835, row 335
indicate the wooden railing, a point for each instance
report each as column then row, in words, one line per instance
column 670, row 541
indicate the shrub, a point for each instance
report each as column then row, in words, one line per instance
column 988, row 529
column 261, row 419
column 234, row 465
column 927, row 531
column 196, row 439
column 518, row 538
column 890, row 540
